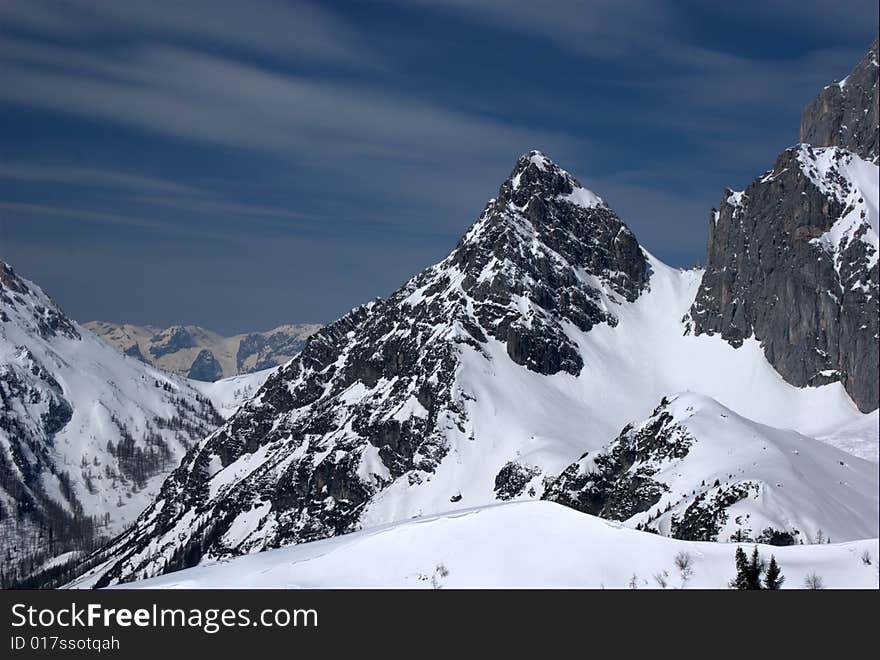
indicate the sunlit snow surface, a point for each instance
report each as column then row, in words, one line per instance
column 519, row 545
column 228, row 394
column 549, row 421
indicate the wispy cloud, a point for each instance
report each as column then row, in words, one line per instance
column 371, row 135
column 667, row 29
column 191, row 95
column 91, row 177
column 301, row 31
column 11, row 210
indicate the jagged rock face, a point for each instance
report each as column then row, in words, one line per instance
column 205, row 367
column 85, row 433
column 373, row 399
column 793, row 260
column 258, row 351
column 171, row 341
column 846, row 114
column 697, row 471
column 555, row 248
column 617, row 482
column 514, row 479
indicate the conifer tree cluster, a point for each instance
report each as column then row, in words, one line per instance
column 749, row 571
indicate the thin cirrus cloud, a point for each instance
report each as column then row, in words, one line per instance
column 663, row 37
column 92, row 178
column 71, row 214
column 275, row 28
column 132, row 189
column 368, row 136
column 195, row 96
column 668, row 29
column 334, row 125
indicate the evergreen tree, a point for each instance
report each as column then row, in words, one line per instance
column 755, row 568
column 741, row 581
column 774, row 577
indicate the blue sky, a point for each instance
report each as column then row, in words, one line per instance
column 244, row 164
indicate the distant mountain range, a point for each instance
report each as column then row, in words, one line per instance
column 201, row 354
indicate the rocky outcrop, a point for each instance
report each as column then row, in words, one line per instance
column 845, row 114
column 695, row 470
column 264, row 350
column 205, row 367
column 793, row 259
column 618, row 482
column 513, row 480
column 171, row 341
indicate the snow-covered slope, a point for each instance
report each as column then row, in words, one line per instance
column 697, row 470
column 859, row 437
column 229, row 394
column 538, row 338
column 86, row 435
column 518, row 545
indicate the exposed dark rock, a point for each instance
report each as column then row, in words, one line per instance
column 846, row 114
column 269, row 350
column 172, row 340
column 512, row 479
column 135, row 351
column 773, row 270
column 705, row 516
column 56, row 418
column 205, row 367
column 617, row 482
column 769, row 275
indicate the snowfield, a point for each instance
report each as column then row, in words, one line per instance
column 228, row 394
column 546, row 422
column 720, row 476
column 518, row 545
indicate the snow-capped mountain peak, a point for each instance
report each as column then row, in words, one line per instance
column 537, row 176
column 793, row 261
column 32, row 309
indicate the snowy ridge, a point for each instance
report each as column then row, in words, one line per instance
column 520, row 545
column 697, row 470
